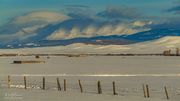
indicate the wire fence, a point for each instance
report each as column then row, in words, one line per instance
column 92, row 86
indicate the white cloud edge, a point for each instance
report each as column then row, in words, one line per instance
column 105, row 30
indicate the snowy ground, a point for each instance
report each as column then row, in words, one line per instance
column 129, row 73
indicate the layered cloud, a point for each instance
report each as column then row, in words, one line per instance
column 77, row 21
column 102, row 30
column 42, row 16
column 24, row 26
column 175, row 9
column 120, row 13
column 79, row 11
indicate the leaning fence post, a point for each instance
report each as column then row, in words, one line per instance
column 25, row 85
column 58, row 84
column 64, row 84
column 114, row 88
column 167, row 95
column 147, row 89
column 9, row 81
column 43, row 83
column 80, row 86
column 99, row 87
column 144, row 91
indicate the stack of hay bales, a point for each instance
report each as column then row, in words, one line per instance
column 27, row 61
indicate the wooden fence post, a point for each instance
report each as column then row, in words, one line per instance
column 80, row 86
column 64, row 84
column 144, row 91
column 147, row 89
column 99, row 87
column 43, row 83
column 167, row 95
column 58, row 84
column 177, row 51
column 25, row 85
column 114, row 88
column 9, row 81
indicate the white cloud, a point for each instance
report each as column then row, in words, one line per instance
column 59, row 34
column 32, row 29
column 75, row 32
column 142, row 23
column 49, row 17
column 26, row 25
column 105, row 30
column 21, row 34
column 91, row 31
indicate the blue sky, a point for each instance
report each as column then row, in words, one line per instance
column 12, row 8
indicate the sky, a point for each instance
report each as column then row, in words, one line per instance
column 12, row 8
column 66, row 19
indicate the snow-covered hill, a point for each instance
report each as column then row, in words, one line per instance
column 155, row 46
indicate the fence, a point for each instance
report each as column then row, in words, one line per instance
column 82, row 86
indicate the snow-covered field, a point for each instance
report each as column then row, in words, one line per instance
column 129, row 73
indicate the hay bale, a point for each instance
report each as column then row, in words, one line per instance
column 17, row 62
column 37, row 56
column 28, row 61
